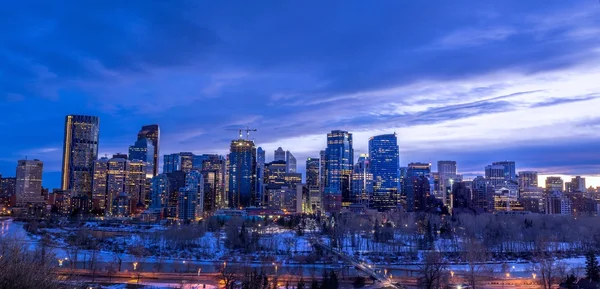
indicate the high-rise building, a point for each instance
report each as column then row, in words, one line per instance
column 578, row 185
column 159, row 192
column 528, row 179
column 509, row 170
column 362, row 181
column 152, row 132
column 8, row 186
column 213, row 173
column 322, row 171
column 495, row 175
column 138, row 175
column 338, row 165
column 313, row 184
column 29, row 182
column 447, row 174
column 483, row 194
column 171, row 163
column 80, row 150
column 242, row 174
column 384, row 157
column 99, row 189
column 142, row 150
column 417, row 186
column 190, row 205
column 116, row 181
column 554, row 185
column 279, row 155
column 187, row 161
column 260, row 174
column 290, row 162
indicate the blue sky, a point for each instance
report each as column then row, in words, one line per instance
column 473, row 81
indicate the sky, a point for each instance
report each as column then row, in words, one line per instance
column 471, row 81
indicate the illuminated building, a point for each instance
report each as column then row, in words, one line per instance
column 494, row 174
column 29, row 182
column 339, row 163
column 279, row 155
column 242, row 174
column 417, row 186
column 362, row 181
column 447, row 174
column 509, row 170
column 99, row 189
column 190, row 205
column 313, row 184
column 290, row 162
column 152, row 133
column 213, row 173
column 80, row 150
column 554, row 185
column 384, row 158
column 260, row 174
column 142, row 150
column 527, row 179
column 171, row 163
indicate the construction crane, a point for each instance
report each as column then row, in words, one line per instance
column 247, row 130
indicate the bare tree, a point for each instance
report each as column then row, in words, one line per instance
column 21, row 269
column 475, row 254
column 432, row 271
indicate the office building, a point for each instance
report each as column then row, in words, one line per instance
column 142, row 150
column 577, row 185
column 290, row 162
column 279, row 155
column 528, row 179
column 362, row 182
column 187, row 161
column 313, row 184
column 554, row 185
column 483, row 194
column 242, row 174
column 260, row 174
column 447, row 176
column 213, row 174
column 80, row 150
column 29, row 182
column 418, row 187
column 495, row 175
column 99, row 186
column 190, row 205
column 171, row 163
column 339, row 162
column 384, row 157
column 159, row 192
column 509, row 170
column 152, row 133
column 8, row 186
column 322, row 171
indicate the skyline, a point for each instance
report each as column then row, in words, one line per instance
column 510, row 81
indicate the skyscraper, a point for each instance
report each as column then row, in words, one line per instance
column 313, row 184
column 384, row 157
column 171, row 163
column 509, row 170
column 578, row 185
column 279, row 155
column 528, row 179
column 99, row 189
column 80, row 150
column 362, row 181
column 290, row 162
column 339, row 164
column 142, row 150
column 152, row 132
column 242, row 174
column 495, row 174
column 187, row 161
column 260, row 174
column 213, row 173
column 447, row 174
column 29, row 182
column 554, row 185
column 190, row 199
column 116, row 181
column 417, row 186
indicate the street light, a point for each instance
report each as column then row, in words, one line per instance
column 452, row 274
column 60, row 262
column 135, row 266
column 224, row 265
column 533, row 275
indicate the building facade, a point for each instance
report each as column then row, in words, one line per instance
column 29, row 182
column 80, row 150
column 152, row 133
column 384, row 158
column 339, row 162
column 242, row 174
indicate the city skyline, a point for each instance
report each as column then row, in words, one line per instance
column 506, row 83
